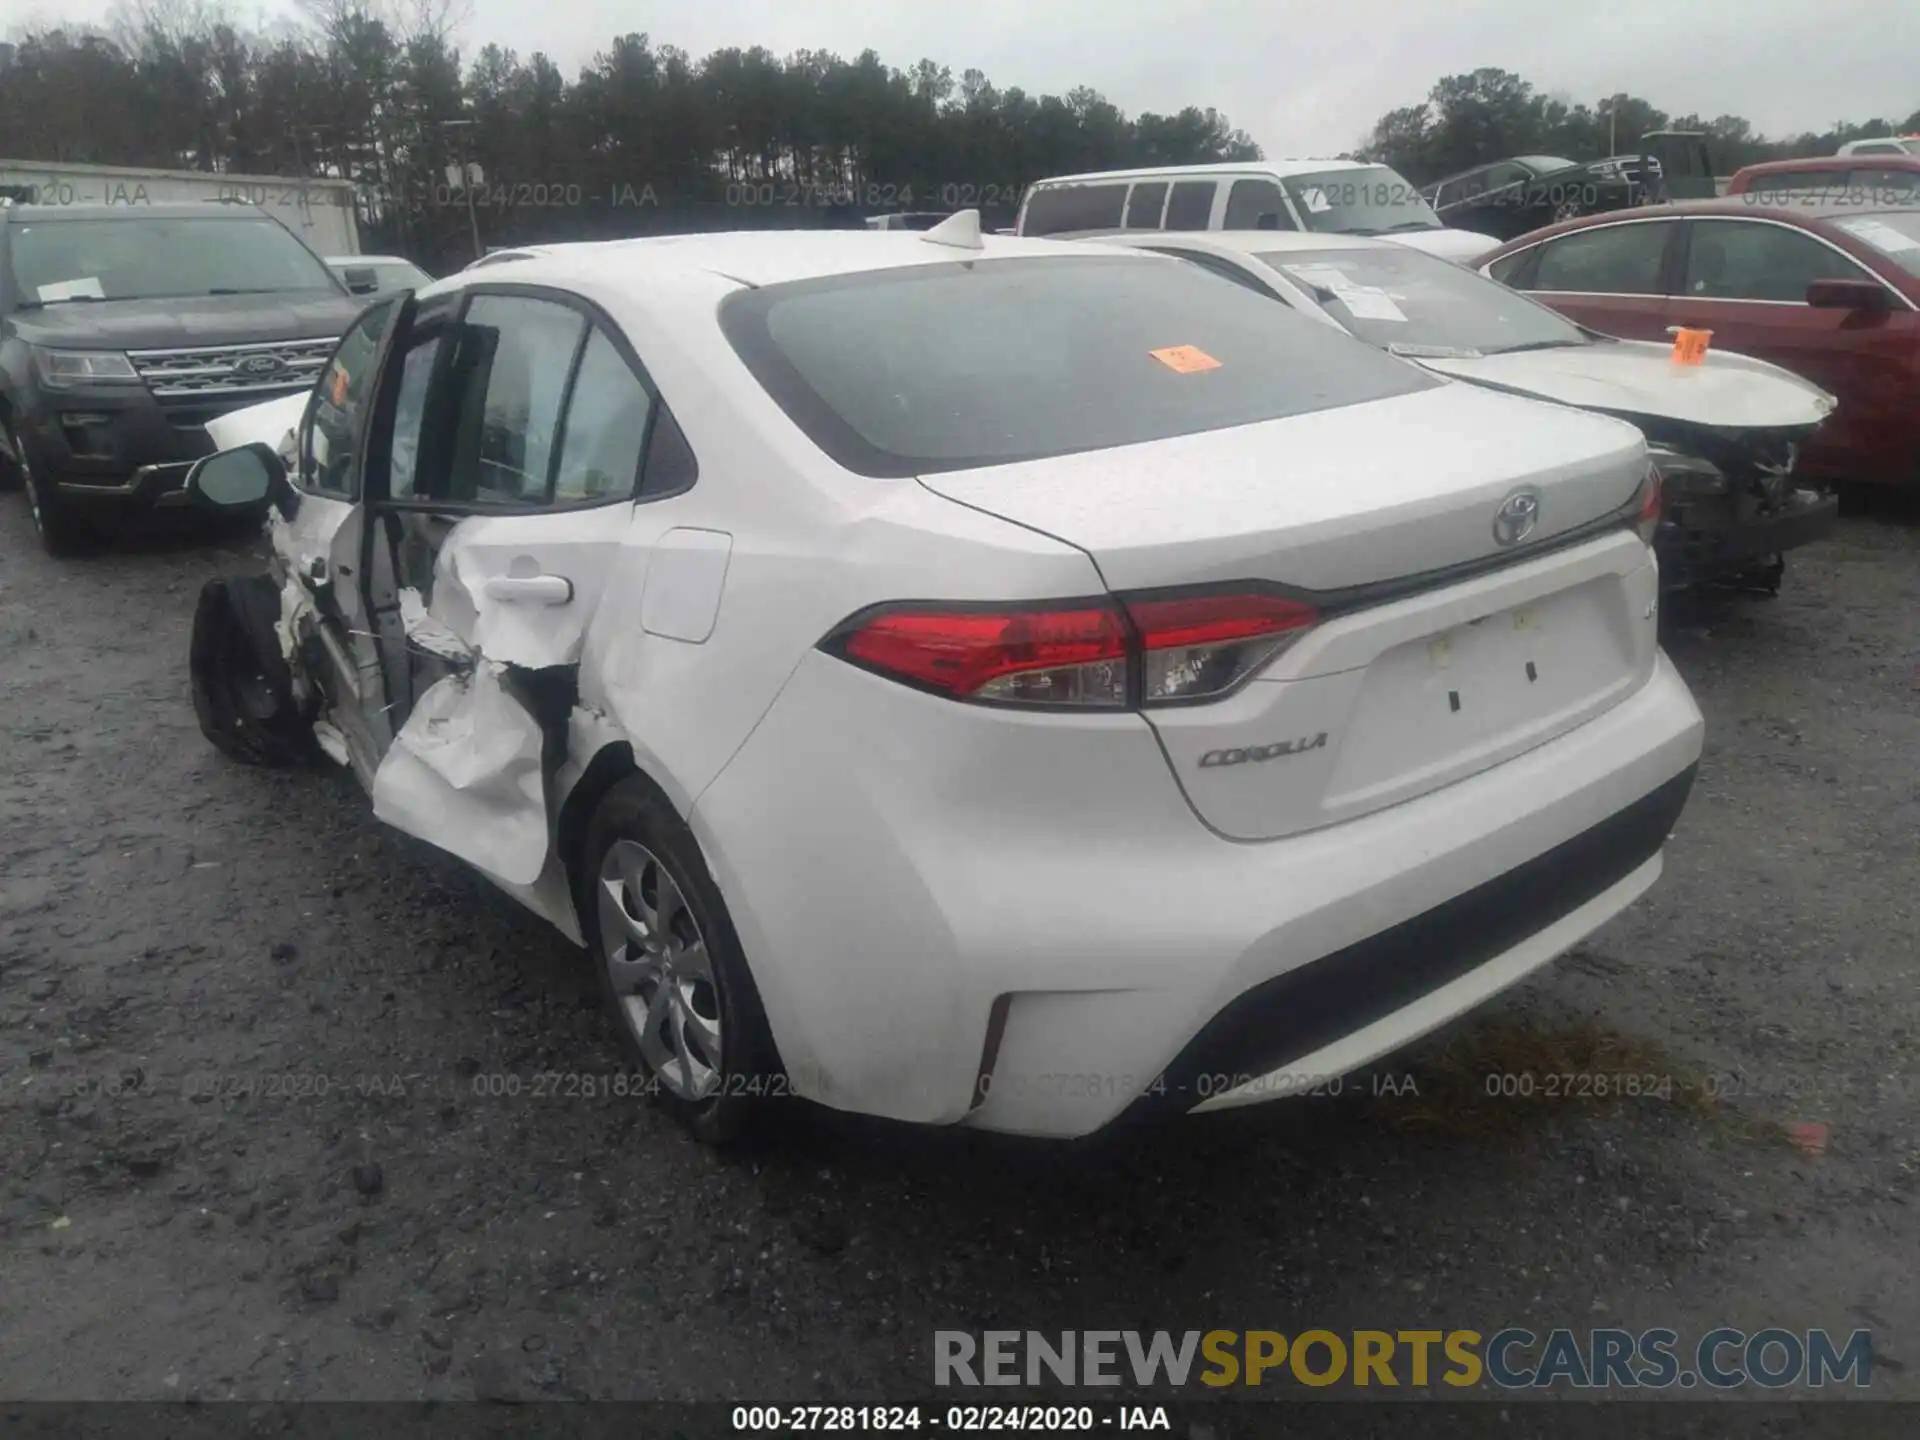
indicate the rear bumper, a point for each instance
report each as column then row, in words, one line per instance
column 1705, row 545
column 1041, row 938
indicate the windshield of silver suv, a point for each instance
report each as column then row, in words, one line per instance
column 1373, row 200
column 61, row 260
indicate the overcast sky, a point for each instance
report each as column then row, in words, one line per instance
column 1304, row 77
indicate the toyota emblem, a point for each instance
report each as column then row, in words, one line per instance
column 1516, row 517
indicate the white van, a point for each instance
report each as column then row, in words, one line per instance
column 1340, row 197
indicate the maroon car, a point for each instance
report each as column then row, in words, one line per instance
column 1829, row 291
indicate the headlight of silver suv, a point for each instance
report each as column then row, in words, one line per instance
column 68, row 369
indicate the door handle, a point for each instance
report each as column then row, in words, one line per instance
column 530, row 589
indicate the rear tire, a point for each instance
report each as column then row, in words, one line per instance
column 671, row 968
column 242, row 686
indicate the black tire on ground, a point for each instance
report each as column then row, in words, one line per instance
column 62, row 530
column 242, row 688
column 750, row 1082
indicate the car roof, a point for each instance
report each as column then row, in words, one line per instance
column 757, row 257
column 177, row 210
column 1282, row 168
column 1794, row 211
column 1829, row 162
column 1246, row 242
column 368, row 260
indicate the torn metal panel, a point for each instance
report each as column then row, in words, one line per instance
column 464, row 773
column 428, row 633
column 332, row 742
column 522, row 593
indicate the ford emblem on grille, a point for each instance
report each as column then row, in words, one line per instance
column 260, row 366
column 1516, row 517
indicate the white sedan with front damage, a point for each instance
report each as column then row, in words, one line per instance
column 1725, row 432
column 967, row 680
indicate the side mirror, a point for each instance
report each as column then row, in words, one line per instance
column 1863, row 295
column 361, row 279
column 247, row 478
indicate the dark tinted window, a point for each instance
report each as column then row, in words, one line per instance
column 328, row 439
column 404, row 481
column 1885, row 185
column 1036, row 358
column 1190, row 207
column 670, row 463
column 1749, row 260
column 1144, row 205
column 1074, row 207
column 1608, row 260
column 151, row 259
column 1256, row 205
column 1507, row 266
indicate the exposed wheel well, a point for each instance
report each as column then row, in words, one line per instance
column 608, row 768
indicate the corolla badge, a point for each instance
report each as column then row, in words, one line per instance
column 1516, row 517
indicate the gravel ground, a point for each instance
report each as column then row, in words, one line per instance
column 247, row 1037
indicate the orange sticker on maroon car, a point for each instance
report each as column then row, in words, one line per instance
column 1690, row 346
column 1185, row 359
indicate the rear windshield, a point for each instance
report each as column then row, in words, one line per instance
column 1421, row 305
column 154, row 258
column 1371, row 200
column 1894, row 233
column 958, row 366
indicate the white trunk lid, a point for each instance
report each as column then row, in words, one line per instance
column 1384, row 699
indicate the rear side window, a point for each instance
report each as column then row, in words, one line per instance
column 1508, row 266
column 1037, row 357
column 1609, row 260
column 1190, row 206
column 1061, row 208
column 1144, row 205
column 1257, row 205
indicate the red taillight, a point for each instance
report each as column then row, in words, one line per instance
column 1034, row 656
column 1201, row 645
column 1647, row 516
column 1078, row 654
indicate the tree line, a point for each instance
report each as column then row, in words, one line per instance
column 1490, row 114
column 645, row 138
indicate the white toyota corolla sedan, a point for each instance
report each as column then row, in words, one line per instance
column 966, row 680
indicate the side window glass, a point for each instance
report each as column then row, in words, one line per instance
column 1257, row 205
column 1610, row 260
column 670, row 467
column 511, row 366
column 1739, row 260
column 1065, row 208
column 1145, row 204
column 404, row 481
column 1508, row 266
column 606, row 425
column 1190, row 207
column 329, row 435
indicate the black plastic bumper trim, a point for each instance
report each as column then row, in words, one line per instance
column 1313, row 1005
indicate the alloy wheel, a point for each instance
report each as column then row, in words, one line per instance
column 657, row 962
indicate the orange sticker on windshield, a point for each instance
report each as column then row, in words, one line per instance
column 1185, row 359
column 1690, row 346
